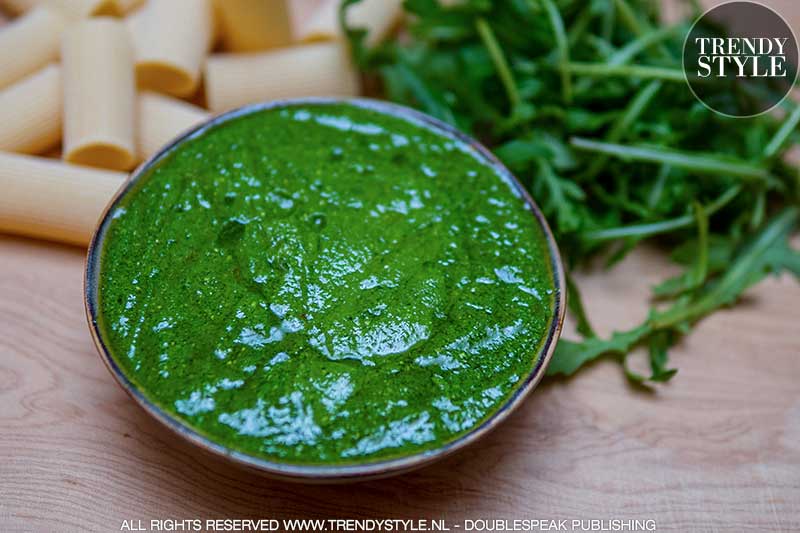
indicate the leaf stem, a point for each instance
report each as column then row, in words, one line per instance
column 628, row 71
column 638, row 27
column 658, row 188
column 742, row 267
column 654, row 228
column 579, row 25
column 609, row 22
column 629, row 51
column 700, row 271
column 695, row 162
column 624, row 123
column 786, row 129
column 499, row 60
column 628, row 17
column 562, row 47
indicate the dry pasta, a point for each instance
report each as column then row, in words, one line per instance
column 251, row 25
column 78, row 9
column 321, row 69
column 30, row 112
column 322, row 24
column 378, row 16
column 171, row 39
column 29, row 43
column 49, row 199
column 126, row 6
column 16, row 7
column 99, row 94
column 161, row 119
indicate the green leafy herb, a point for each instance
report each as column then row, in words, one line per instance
column 586, row 102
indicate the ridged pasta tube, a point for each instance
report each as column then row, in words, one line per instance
column 253, row 25
column 48, row 199
column 29, row 42
column 320, row 69
column 99, row 94
column 171, row 39
column 161, row 119
column 30, row 112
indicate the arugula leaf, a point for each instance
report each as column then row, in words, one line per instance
column 575, row 304
column 570, row 356
column 747, row 268
column 699, row 163
column 693, row 278
column 586, row 103
column 659, row 344
column 765, row 252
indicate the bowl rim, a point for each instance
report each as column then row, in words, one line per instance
column 322, row 472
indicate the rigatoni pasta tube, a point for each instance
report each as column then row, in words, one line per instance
column 29, row 43
column 30, row 112
column 171, row 39
column 161, row 119
column 252, row 25
column 321, row 69
column 52, row 200
column 78, row 9
column 16, row 7
column 322, row 24
column 99, row 94
column 126, row 6
column 73, row 9
column 378, row 17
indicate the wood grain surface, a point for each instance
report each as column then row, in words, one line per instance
column 716, row 450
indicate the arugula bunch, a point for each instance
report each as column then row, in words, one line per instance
column 586, row 102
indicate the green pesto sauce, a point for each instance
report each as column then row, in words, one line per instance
column 325, row 284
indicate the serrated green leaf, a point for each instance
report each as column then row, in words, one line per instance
column 570, row 355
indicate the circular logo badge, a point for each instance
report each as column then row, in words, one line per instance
column 740, row 59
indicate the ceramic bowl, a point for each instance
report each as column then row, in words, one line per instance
column 324, row 473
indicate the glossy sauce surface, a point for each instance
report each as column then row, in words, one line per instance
column 325, row 284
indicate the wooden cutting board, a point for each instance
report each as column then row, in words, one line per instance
column 716, row 449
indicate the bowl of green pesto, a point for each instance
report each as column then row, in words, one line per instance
column 324, row 289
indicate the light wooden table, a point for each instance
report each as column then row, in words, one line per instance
column 716, row 450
